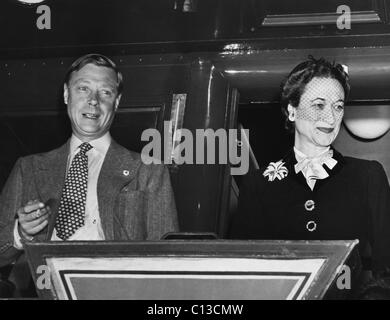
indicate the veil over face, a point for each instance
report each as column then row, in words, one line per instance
column 319, row 114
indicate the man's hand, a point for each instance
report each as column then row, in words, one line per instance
column 33, row 217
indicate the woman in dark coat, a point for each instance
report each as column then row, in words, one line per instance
column 314, row 192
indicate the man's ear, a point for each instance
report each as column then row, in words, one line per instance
column 66, row 93
column 117, row 100
column 291, row 112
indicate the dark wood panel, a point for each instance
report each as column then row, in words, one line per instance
column 90, row 22
column 32, row 83
column 24, row 134
column 145, row 79
column 129, row 124
column 265, row 121
column 150, row 26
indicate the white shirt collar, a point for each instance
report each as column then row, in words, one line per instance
column 300, row 155
column 101, row 144
column 312, row 168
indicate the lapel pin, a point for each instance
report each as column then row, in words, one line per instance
column 126, row 172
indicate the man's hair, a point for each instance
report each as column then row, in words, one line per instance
column 294, row 86
column 97, row 60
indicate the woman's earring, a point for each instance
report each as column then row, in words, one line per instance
column 291, row 116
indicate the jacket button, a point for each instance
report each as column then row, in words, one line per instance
column 309, row 205
column 311, row 226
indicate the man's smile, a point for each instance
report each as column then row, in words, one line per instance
column 92, row 116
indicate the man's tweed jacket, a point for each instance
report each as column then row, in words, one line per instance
column 135, row 200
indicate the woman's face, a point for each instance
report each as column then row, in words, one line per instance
column 319, row 113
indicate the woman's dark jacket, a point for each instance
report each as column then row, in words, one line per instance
column 352, row 203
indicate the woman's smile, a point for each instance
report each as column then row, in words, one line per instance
column 325, row 130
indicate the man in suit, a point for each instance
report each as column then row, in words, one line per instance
column 91, row 188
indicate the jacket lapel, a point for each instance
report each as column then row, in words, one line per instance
column 340, row 163
column 290, row 162
column 50, row 178
column 118, row 169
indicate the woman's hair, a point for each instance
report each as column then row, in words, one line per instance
column 294, row 86
column 97, row 60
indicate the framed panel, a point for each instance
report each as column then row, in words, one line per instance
column 129, row 124
column 186, row 270
column 307, row 13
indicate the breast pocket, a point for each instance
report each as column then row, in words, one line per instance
column 130, row 215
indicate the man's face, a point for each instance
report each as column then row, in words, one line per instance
column 319, row 114
column 92, row 99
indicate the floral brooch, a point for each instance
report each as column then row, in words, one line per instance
column 276, row 170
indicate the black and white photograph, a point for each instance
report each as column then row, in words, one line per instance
column 195, row 155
